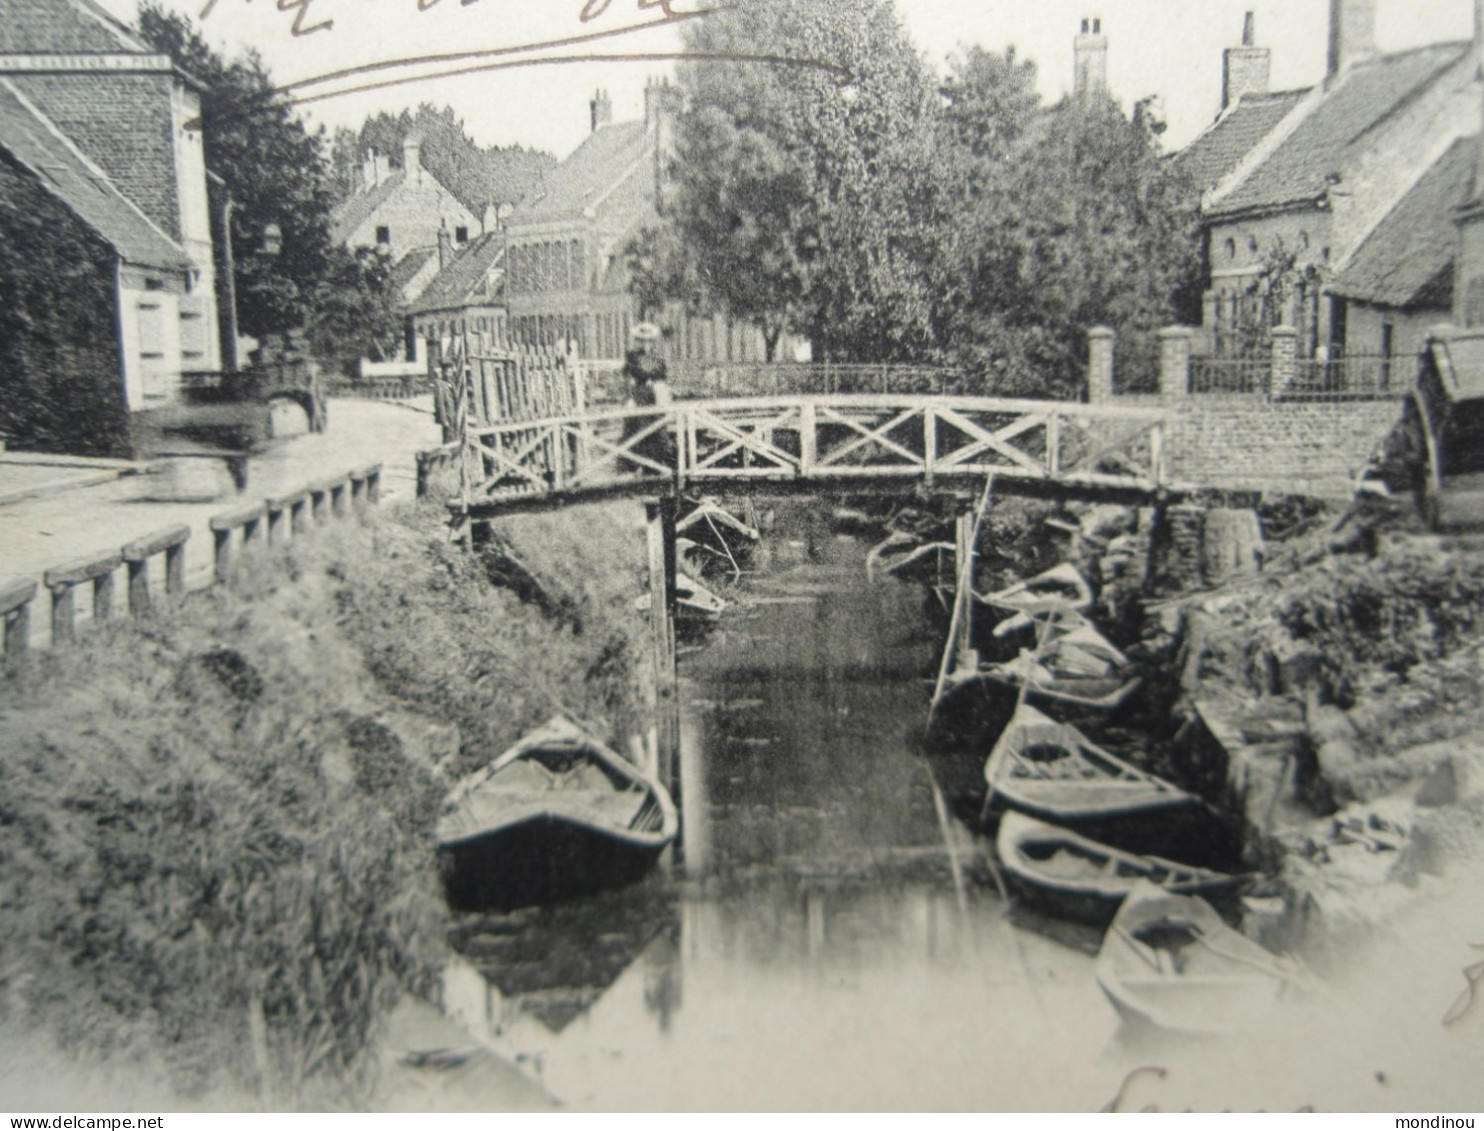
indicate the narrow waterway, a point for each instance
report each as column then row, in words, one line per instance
column 830, row 938
column 812, row 947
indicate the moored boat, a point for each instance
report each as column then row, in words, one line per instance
column 693, row 601
column 1061, row 585
column 1049, row 675
column 1080, row 878
column 557, row 815
column 1053, row 771
column 1169, row 962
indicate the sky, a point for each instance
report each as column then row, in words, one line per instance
column 1170, row 48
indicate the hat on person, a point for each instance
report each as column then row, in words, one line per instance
column 646, row 332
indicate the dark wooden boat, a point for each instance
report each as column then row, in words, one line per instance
column 1168, row 962
column 1053, row 771
column 1077, row 877
column 1060, row 675
column 556, row 816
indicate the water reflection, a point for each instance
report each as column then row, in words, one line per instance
column 815, row 953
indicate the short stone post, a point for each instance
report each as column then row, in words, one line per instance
column 1285, row 359
column 171, row 542
column 1100, row 340
column 250, row 520
column 1174, row 361
column 63, row 580
column 15, row 610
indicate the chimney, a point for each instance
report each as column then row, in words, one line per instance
column 602, row 109
column 1244, row 69
column 383, row 168
column 1090, row 51
column 368, row 166
column 1352, row 33
column 445, row 246
column 1479, row 58
column 412, row 165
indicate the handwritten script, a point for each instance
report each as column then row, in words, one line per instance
column 299, row 10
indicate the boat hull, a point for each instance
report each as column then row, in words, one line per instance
column 544, row 859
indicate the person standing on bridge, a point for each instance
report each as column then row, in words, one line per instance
column 644, row 367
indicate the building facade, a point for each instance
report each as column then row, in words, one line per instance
column 402, row 210
column 109, row 131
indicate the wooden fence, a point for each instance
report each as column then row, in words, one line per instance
column 235, row 534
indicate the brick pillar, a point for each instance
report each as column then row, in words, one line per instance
column 1285, row 350
column 1174, row 361
column 1099, row 365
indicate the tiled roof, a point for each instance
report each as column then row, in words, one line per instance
column 354, row 212
column 406, row 269
column 1329, row 137
column 64, row 26
column 608, row 155
column 63, row 171
column 1217, row 150
column 1409, row 253
column 460, row 281
column 504, row 176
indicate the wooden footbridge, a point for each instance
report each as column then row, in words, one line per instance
column 857, row 443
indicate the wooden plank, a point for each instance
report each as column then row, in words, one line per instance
column 82, row 569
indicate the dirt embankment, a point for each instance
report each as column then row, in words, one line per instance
column 217, row 871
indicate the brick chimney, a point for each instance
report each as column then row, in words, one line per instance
column 368, row 170
column 412, row 161
column 445, row 247
column 1352, row 33
column 1244, row 69
column 383, row 168
column 1090, row 57
column 602, row 109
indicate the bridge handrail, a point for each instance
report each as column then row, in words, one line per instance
column 1014, row 406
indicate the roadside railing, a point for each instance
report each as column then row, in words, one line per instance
column 236, row 534
column 1210, row 375
column 1353, row 377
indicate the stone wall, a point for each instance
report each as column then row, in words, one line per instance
column 1244, row 443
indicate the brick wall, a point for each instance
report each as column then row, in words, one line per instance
column 123, row 123
column 1250, row 444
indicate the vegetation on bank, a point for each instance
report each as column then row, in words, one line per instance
column 217, row 866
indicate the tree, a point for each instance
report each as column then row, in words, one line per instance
column 353, row 309
column 1083, row 224
column 277, row 175
column 797, row 198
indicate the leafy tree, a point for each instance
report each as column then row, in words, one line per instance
column 353, row 309
column 1083, row 223
column 797, row 200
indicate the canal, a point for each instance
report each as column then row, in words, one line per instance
column 828, row 938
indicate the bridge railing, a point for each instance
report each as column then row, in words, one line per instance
column 780, row 379
column 819, row 438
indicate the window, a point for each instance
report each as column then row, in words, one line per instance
column 1303, row 241
column 154, row 284
column 383, row 234
column 461, row 234
column 1231, row 250
column 1252, row 244
column 1388, row 333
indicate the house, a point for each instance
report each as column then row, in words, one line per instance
column 111, row 270
column 566, row 276
column 401, row 210
column 1300, row 225
column 466, row 297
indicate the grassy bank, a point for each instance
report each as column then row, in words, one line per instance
column 217, row 870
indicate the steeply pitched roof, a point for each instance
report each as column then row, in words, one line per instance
column 28, row 136
column 64, row 26
column 351, row 214
column 406, row 269
column 1408, row 257
column 1329, row 137
column 610, row 154
column 461, row 282
column 1216, row 151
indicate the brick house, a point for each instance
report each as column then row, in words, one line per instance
column 1312, row 199
column 465, row 298
column 403, row 210
column 566, row 275
column 117, row 294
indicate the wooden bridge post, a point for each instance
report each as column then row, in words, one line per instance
column 660, row 525
column 965, row 550
column 15, row 611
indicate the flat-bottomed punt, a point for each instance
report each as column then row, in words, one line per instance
column 1051, row 770
column 1079, row 878
column 558, row 815
column 1168, row 962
